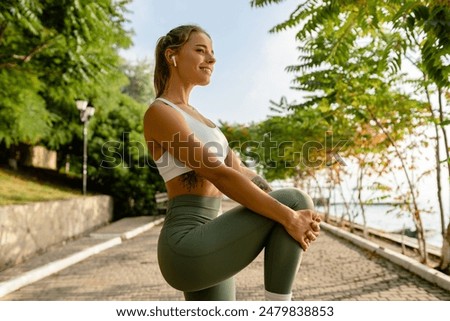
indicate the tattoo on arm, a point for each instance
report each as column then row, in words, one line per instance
column 261, row 183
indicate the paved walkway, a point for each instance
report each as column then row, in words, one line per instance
column 333, row 269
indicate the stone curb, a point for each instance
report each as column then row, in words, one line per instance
column 58, row 265
column 431, row 275
column 144, row 228
column 129, row 234
column 54, row 267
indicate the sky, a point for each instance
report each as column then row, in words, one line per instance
column 251, row 62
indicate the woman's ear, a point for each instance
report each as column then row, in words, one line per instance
column 170, row 57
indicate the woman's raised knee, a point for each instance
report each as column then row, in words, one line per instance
column 294, row 198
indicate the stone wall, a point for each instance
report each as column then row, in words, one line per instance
column 30, row 228
column 42, row 157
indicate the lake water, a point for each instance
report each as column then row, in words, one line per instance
column 382, row 217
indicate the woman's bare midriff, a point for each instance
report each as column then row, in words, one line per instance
column 176, row 187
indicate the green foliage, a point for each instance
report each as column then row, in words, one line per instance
column 139, row 86
column 56, row 51
column 428, row 24
column 119, row 160
column 349, row 63
column 262, row 3
column 23, row 116
column 351, row 57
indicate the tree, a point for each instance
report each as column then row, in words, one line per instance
column 426, row 25
column 139, row 76
column 52, row 52
column 119, row 161
column 351, row 56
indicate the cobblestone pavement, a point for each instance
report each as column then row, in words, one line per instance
column 333, row 269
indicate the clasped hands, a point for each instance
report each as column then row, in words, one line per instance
column 304, row 227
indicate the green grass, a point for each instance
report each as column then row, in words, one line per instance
column 17, row 188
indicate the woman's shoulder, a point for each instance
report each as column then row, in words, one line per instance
column 158, row 109
column 156, row 104
column 159, row 115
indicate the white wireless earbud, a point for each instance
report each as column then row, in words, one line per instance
column 174, row 61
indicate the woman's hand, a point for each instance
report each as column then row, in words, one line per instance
column 304, row 227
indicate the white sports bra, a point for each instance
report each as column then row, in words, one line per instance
column 169, row 167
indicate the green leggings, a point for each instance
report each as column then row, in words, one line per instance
column 200, row 252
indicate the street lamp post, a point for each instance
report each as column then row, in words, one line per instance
column 86, row 112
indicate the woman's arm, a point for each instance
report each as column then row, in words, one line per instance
column 239, row 188
column 168, row 128
column 235, row 162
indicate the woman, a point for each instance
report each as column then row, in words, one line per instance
column 199, row 251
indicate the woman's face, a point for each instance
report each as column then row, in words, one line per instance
column 195, row 60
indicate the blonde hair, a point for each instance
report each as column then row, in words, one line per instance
column 174, row 39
